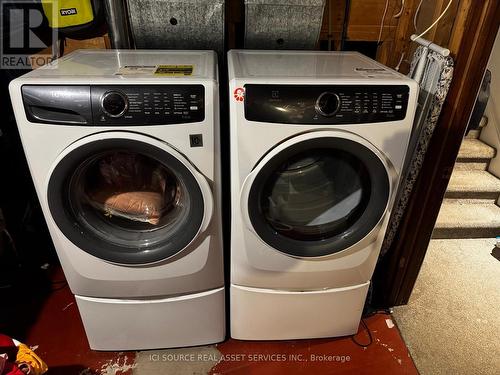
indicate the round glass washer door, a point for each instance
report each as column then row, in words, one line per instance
column 317, row 196
column 128, row 201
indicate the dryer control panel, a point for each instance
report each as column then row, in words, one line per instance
column 114, row 105
column 325, row 104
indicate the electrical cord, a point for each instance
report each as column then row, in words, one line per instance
column 345, row 24
column 387, row 36
column 417, row 12
column 368, row 331
column 398, row 66
column 399, row 14
column 435, row 22
column 382, row 22
column 370, row 338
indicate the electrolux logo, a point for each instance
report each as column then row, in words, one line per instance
column 68, row 12
column 26, row 35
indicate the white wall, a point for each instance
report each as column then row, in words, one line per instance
column 491, row 133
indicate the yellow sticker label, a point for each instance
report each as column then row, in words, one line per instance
column 174, row 70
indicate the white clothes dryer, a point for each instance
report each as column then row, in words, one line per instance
column 318, row 141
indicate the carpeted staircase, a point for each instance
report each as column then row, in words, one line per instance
column 470, row 208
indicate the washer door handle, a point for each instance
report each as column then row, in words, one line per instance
column 207, row 199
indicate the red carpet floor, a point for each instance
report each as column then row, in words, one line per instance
column 51, row 323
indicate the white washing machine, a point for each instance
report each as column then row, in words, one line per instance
column 123, row 148
column 318, row 141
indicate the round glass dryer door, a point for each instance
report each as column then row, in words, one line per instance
column 127, row 201
column 318, row 196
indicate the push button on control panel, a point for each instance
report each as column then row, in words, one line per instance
column 196, row 140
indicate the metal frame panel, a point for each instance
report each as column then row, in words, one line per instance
column 281, row 24
column 175, row 24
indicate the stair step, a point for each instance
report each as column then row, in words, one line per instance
column 471, row 201
column 473, row 184
column 461, row 219
column 473, row 150
column 473, row 134
column 471, row 166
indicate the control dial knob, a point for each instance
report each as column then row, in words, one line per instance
column 327, row 104
column 114, row 103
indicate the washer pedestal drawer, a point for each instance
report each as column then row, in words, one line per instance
column 187, row 320
column 265, row 314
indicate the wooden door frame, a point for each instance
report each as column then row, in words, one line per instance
column 397, row 271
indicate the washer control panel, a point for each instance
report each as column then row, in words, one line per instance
column 325, row 104
column 114, row 105
column 148, row 105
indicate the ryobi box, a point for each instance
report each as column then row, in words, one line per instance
column 78, row 19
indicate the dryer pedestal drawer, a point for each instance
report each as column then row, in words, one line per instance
column 265, row 314
column 188, row 320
